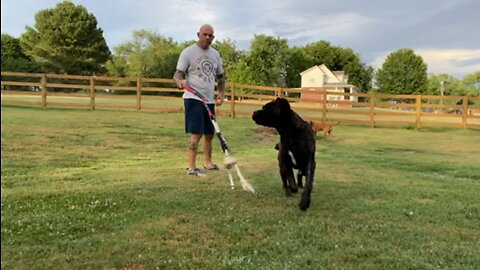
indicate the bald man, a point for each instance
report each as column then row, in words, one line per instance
column 200, row 67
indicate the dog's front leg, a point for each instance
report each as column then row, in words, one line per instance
column 288, row 181
column 286, row 173
column 285, row 184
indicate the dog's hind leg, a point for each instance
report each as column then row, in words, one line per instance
column 299, row 179
column 288, row 179
column 305, row 201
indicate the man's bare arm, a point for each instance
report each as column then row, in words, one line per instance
column 221, row 84
column 179, row 78
column 221, row 88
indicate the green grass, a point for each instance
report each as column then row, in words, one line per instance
column 107, row 190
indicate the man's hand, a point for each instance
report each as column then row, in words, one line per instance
column 220, row 99
column 180, row 83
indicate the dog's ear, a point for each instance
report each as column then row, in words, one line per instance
column 283, row 104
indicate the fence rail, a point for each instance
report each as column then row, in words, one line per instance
column 141, row 94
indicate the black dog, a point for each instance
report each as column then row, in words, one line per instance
column 296, row 147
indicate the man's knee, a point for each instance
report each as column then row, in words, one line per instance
column 193, row 146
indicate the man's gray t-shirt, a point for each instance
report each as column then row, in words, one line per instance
column 201, row 68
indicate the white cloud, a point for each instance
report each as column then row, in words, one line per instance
column 454, row 61
column 457, row 62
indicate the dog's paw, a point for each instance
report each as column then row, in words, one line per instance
column 304, row 203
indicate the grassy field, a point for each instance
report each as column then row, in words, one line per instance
column 107, row 190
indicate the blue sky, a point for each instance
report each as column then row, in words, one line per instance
column 446, row 33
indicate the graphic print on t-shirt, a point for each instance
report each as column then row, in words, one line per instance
column 207, row 69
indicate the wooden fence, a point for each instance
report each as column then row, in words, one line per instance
column 142, row 94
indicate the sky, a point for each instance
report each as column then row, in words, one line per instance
column 445, row 33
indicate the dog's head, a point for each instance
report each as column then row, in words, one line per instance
column 272, row 113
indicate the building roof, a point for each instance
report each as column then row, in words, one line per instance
column 331, row 76
column 331, row 79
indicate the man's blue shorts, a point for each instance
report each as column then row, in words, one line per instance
column 196, row 117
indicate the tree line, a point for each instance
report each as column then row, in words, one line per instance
column 67, row 40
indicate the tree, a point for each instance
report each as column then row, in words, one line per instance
column 403, row 72
column 11, row 48
column 265, row 63
column 338, row 58
column 444, row 82
column 13, row 57
column 66, row 39
column 240, row 73
column 161, row 55
column 321, row 52
column 472, row 84
column 148, row 55
column 230, row 55
column 359, row 74
column 296, row 63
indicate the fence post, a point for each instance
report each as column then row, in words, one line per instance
column 232, row 101
column 280, row 92
column 418, row 111
column 464, row 111
column 372, row 109
column 92, row 93
column 324, row 106
column 139, row 93
column 43, row 85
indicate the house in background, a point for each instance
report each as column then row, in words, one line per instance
column 317, row 79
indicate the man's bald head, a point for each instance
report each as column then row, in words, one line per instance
column 206, row 27
column 205, row 36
